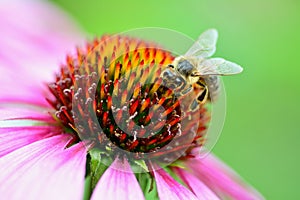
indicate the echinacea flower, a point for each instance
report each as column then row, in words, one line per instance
column 67, row 136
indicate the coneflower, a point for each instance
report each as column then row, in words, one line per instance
column 108, row 122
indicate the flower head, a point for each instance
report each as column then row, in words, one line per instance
column 106, row 121
column 111, row 94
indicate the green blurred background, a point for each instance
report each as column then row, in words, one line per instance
column 261, row 136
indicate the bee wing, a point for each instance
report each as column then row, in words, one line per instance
column 218, row 66
column 205, row 46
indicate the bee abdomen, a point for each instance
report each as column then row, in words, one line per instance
column 213, row 84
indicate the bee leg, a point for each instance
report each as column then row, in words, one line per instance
column 187, row 90
column 203, row 96
column 194, row 105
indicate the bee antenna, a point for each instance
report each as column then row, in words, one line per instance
column 172, row 66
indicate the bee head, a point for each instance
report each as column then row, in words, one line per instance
column 171, row 78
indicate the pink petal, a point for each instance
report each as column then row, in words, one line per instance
column 34, row 38
column 197, row 186
column 44, row 170
column 169, row 189
column 24, row 111
column 116, row 184
column 16, row 137
column 18, row 126
column 221, row 178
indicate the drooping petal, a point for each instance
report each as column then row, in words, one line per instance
column 13, row 138
column 20, row 125
column 221, row 178
column 169, row 189
column 44, row 170
column 117, row 184
column 34, row 38
column 197, row 186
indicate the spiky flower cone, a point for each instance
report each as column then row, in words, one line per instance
column 111, row 94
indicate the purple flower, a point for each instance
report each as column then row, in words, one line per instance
column 45, row 153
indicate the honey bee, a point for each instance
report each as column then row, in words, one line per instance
column 196, row 71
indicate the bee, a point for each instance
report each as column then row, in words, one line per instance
column 196, row 71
